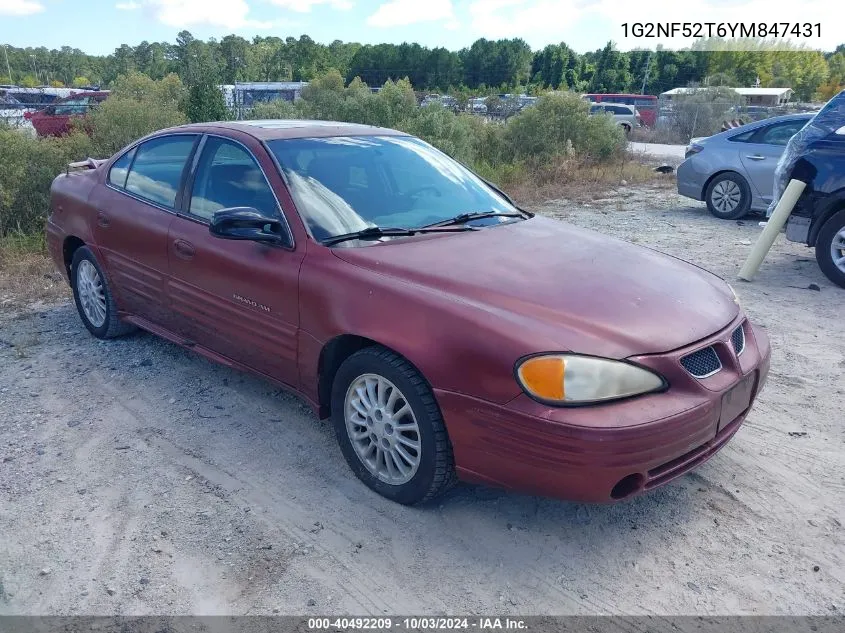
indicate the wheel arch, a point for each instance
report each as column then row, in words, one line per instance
column 833, row 206
column 332, row 355
column 70, row 245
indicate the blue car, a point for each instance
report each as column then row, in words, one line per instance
column 733, row 172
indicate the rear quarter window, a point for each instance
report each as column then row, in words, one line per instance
column 120, row 169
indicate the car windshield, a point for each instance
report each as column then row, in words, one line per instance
column 345, row 184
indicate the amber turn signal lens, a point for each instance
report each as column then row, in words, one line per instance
column 566, row 378
column 543, row 377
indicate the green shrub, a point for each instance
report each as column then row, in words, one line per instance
column 556, row 123
column 27, row 167
column 451, row 134
column 700, row 112
column 136, row 107
column 275, row 110
column 205, row 102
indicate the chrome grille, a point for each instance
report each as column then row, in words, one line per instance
column 738, row 340
column 703, row 363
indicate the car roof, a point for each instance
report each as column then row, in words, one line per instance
column 756, row 125
column 83, row 93
column 779, row 119
column 272, row 129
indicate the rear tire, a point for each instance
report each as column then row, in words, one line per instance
column 830, row 248
column 377, row 398
column 728, row 196
column 93, row 297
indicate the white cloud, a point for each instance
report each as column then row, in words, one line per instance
column 404, row 12
column 20, row 7
column 127, row 6
column 230, row 14
column 522, row 18
column 304, row 6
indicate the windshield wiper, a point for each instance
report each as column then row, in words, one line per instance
column 376, row 232
column 463, row 218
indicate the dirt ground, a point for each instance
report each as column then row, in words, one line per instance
column 137, row 478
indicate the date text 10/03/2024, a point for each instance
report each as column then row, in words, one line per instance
column 479, row 623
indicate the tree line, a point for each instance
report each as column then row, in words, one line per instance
column 485, row 66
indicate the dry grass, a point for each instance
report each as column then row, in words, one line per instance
column 582, row 182
column 27, row 274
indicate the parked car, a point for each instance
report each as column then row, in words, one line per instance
column 445, row 331
column 12, row 111
column 625, row 116
column 818, row 219
column 733, row 172
column 478, row 105
column 56, row 119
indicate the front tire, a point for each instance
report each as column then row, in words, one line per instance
column 830, row 248
column 389, row 427
column 93, row 297
column 728, row 197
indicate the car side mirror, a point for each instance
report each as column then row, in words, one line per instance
column 246, row 223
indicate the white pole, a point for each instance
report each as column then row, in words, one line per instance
column 773, row 226
column 8, row 68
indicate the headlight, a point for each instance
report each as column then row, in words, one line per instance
column 562, row 379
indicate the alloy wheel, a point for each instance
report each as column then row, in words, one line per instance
column 726, row 196
column 92, row 295
column 837, row 250
column 383, row 429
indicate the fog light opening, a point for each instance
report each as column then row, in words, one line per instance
column 627, row 486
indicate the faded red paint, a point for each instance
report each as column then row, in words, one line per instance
column 461, row 307
column 48, row 123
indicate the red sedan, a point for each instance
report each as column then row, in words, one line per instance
column 447, row 333
column 57, row 119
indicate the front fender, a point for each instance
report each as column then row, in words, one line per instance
column 457, row 347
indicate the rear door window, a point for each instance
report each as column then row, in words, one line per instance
column 778, row 133
column 157, row 171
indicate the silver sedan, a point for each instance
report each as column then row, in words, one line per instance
column 733, row 172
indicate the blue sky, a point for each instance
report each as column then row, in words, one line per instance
column 99, row 26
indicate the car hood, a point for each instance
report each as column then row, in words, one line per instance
column 582, row 290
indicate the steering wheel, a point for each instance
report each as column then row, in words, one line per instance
column 415, row 192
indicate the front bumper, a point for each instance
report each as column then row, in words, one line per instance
column 608, row 452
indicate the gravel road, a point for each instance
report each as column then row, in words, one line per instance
column 138, row 478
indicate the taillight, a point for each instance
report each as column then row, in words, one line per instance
column 27, row 115
column 692, row 149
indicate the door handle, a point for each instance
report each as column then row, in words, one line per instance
column 184, row 249
column 103, row 220
column 756, row 157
